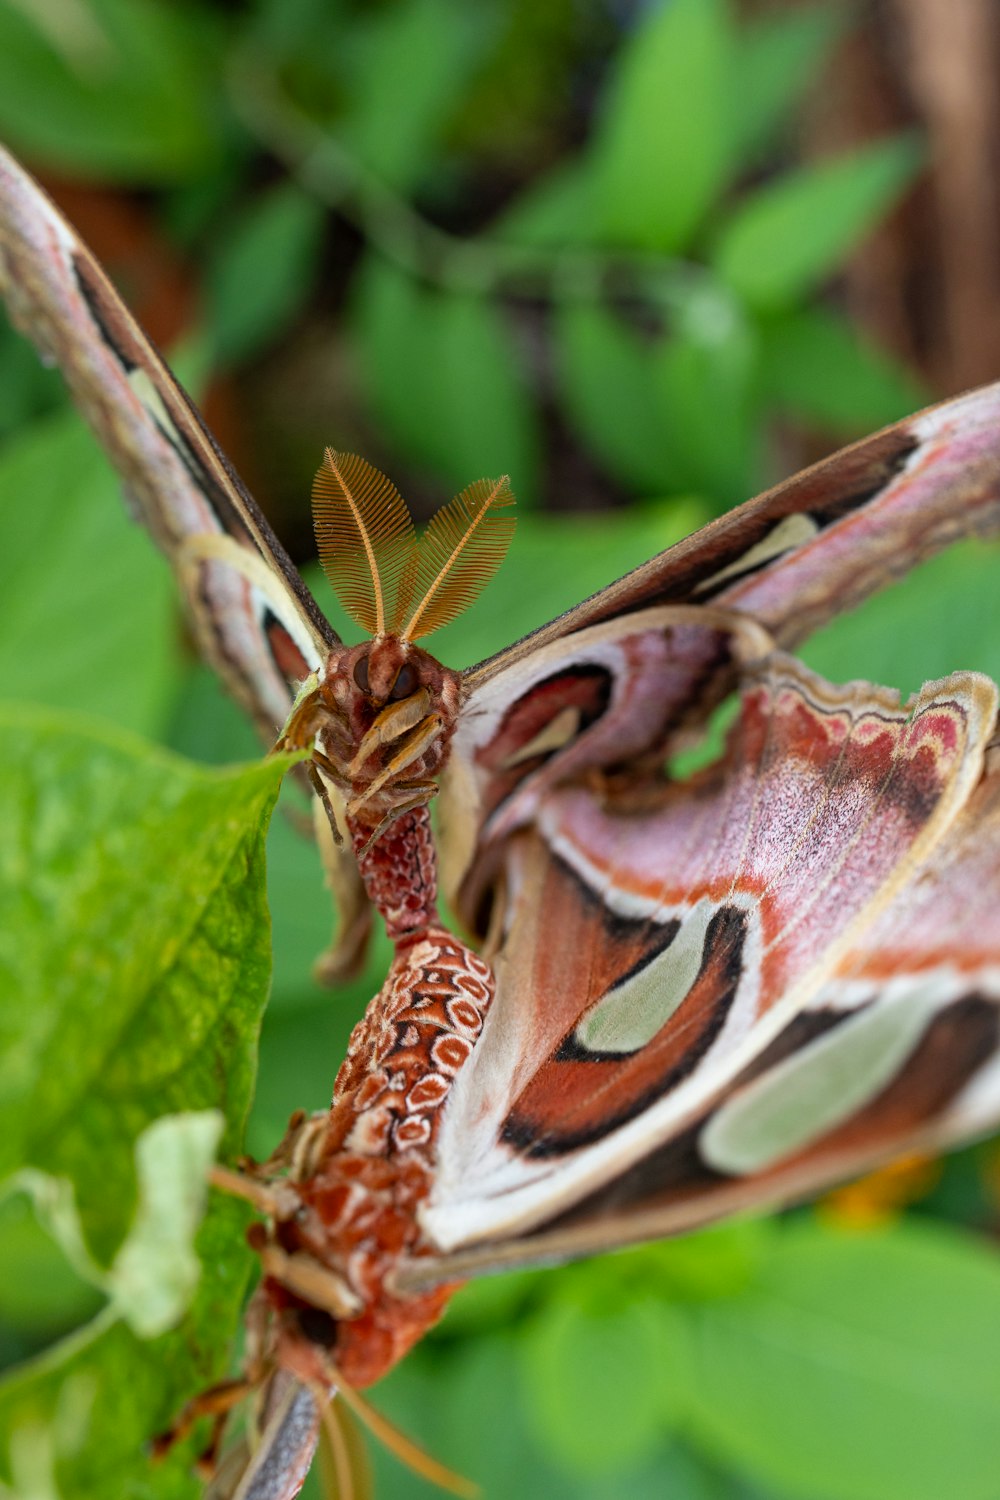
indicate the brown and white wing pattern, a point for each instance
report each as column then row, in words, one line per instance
column 621, row 675
column 897, row 1051
column 256, row 621
column 707, row 991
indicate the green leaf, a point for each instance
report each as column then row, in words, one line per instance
column 78, row 1419
column 554, row 211
column 134, row 965
column 787, row 237
column 413, row 66
column 155, row 1271
column 29, row 389
column 89, row 617
column 862, row 1368
column 942, row 616
column 717, row 1262
column 281, row 27
column 116, row 89
column 134, row 951
column 815, row 366
column 779, row 57
column 443, row 377
column 480, row 1421
column 663, row 148
column 208, row 726
column 706, row 382
column 264, row 270
column 41, row 1295
column 606, row 374
column 600, row 1381
column 491, row 1303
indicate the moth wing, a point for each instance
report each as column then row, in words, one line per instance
column 819, row 543
column 255, row 619
column 274, row 1464
column 735, row 990
column 627, row 674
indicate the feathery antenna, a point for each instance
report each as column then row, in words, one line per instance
column 459, row 553
column 367, row 544
column 371, row 555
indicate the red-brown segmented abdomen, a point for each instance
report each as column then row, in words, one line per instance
column 362, row 1189
column 400, row 872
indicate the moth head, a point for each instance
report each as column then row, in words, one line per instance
column 392, row 583
column 383, row 672
column 387, row 687
column 389, row 669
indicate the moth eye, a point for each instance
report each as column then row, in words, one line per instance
column 361, row 673
column 404, row 685
column 317, row 1325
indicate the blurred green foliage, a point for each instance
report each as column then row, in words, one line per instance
column 568, row 241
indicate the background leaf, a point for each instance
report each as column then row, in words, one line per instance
column 815, row 366
column 943, row 616
column 411, row 66
column 65, row 556
column 663, row 147
column 264, row 270
column 118, row 88
column 607, row 375
column 862, row 1368
column 443, row 373
column 791, row 234
column 705, row 379
column 600, row 1380
column 779, row 57
column 555, row 211
column 505, row 1453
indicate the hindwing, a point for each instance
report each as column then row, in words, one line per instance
column 735, row 988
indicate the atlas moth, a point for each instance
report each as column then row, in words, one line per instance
column 674, row 997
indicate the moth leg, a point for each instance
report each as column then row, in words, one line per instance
column 420, row 793
column 217, row 1402
column 319, row 787
column 309, row 1279
column 345, row 1468
column 257, row 1328
column 402, row 1447
column 276, row 1199
column 392, row 723
column 411, row 749
column 322, row 762
column 283, row 1152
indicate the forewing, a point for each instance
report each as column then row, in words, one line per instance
column 822, row 541
column 274, row 1464
column 255, row 619
column 622, row 678
column 666, row 951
